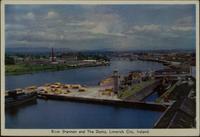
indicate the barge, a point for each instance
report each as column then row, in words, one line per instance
column 15, row 98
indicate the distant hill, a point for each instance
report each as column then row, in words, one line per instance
column 47, row 50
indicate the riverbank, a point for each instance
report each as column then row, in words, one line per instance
column 19, row 69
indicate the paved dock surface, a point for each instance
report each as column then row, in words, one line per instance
column 91, row 92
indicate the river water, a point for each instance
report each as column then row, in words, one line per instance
column 63, row 114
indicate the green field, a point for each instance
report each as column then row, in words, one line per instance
column 23, row 68
column 135, row 88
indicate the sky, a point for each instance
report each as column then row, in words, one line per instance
column 100, row 27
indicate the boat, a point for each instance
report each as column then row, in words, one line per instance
column 15, row 98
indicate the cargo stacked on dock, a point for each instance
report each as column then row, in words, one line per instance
column 58, row 88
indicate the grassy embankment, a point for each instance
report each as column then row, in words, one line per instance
column 18, row 69
column 23, row 68
column 135, row 88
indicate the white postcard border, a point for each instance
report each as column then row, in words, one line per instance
column 45, row 132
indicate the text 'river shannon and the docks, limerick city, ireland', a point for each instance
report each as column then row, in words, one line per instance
column 100, row 66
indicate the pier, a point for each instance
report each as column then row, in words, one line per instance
column 94, row 94
column 84, row 94
column 124, row 103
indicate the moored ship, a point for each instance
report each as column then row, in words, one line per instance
column 18, row 97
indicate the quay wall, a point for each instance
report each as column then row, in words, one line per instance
column 124, row 103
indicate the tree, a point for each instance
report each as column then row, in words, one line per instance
column 9, row 60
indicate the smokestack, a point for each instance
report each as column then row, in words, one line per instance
column 52, row 58
column 52, row 55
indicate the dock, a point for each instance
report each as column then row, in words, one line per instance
column 85, row 94
column 79, row 93
column 116, row 102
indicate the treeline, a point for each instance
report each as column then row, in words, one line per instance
column 9, row 60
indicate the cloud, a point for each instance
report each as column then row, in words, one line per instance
column 185, row 24
column 30, row 16
column 182, row 29
column 106, row 24
column 96, row 27
column 148, row 28
column 82, row 23
column 12, row 27
column 185, row 21
column 52, row 15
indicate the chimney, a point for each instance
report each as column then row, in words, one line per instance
column 52, row 55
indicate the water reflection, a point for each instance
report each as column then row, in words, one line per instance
column 14, row 110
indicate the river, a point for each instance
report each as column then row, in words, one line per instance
column 63, row 114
